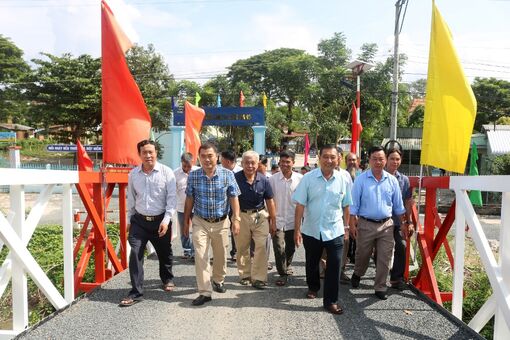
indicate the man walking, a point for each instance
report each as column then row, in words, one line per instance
column 376, row 197
column 181, row 178
column 284, row 183
column 211, row 192
column 151, row 201
column 323, row 198
column 256, row 221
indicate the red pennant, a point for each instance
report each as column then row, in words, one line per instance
column 126, row 120
column 193, row 118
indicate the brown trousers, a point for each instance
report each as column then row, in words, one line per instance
column 378, row 236
column 215, row 234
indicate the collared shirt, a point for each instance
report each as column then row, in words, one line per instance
column 253, row 195
column 376, row 199
column 211, row 195
column 324, row 201
column 152, row 194
column 283, row 189
column 405, row 190
column 235, row 170
column 181, row 181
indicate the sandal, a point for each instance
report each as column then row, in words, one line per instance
column 281, row 282
column 245, row 281
column 259, row 284
column 128, row 301
column 169, row 286
column 311, row 294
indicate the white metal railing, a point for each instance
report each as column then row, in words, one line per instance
column 15, row 233
column 498, row 272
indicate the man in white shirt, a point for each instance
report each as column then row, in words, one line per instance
column 181, row 178
column 284, row 183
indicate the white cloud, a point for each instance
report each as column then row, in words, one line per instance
column 281, row 28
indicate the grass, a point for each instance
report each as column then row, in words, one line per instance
column 46, row 246
column 477, row 287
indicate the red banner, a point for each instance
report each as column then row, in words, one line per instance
column 193, row 118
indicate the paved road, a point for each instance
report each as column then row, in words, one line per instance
column 243, row 312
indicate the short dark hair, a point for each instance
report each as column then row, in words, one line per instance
column 393, row 150
column 207, row 146
column 306, row 167
column 327, row 147
column 143, row 143
column 186, row 157
column 229, row 154
column 263, row 159
column 375, row 148
column 274, row 166
column 288, row 154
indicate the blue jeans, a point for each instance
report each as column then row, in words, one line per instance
column 186, row 242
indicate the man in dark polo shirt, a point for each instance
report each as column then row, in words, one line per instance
column 256, row 221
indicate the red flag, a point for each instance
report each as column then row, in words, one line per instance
column 356, row 130
column 84, row 163
column 241, row 99
column 193, row 118
column 307, row 149
column 126, row 120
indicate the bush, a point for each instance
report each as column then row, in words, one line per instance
column 501, row 165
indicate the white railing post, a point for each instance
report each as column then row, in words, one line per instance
column 19, row 278
column 458, row 272
column 501, row 330
column 67, row 224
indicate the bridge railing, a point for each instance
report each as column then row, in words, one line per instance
column 16, row 231
column 498, row 271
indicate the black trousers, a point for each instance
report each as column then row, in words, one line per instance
column 399, row 256
column 313, row 253
column 284, row 248
column 140, row 233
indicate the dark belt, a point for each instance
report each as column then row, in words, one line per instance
column 251, row 211
column 376, row 221
column 150, row 218
column 214, row 220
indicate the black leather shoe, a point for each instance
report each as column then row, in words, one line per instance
column 219, row 287
column 355, row 279
column 381, row 295
column 200, row 300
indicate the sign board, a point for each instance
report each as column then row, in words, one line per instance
column 72, row 148
column 227, row 116
column 7, row 136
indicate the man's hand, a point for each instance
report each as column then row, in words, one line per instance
column 272, row 226
column 298, row 239
column 185, row 228
column 163, row 228
column 346, row 234
column 407, row 229
column 353, row 230
column 236, row 227
column 128, row 226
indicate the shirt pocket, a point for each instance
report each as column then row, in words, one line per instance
column 334, row 199
column 387, row 196
column 158, row 188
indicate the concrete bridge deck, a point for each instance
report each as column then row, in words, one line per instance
column 246, row 313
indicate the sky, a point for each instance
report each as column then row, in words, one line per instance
column 200, row 38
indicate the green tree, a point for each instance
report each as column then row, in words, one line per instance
column 493, row 98
column 12, row 69
column 66, row 91
column 283, row 74
column 155, row 82
column 501, row 165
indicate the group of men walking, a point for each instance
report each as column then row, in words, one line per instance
column 319, row 210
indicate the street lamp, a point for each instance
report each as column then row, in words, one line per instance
column 358, row 67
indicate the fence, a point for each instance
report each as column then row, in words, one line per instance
column 15, row 233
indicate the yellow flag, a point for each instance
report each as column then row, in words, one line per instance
column 450, row 105
column 264, row 100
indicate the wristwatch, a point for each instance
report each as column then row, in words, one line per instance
column 237, row 218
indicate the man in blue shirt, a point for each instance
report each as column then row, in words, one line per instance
column 256, row 221
column 376, row 197
column 210, row 193
column 323, row 197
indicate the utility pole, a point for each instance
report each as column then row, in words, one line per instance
column 394, row 94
